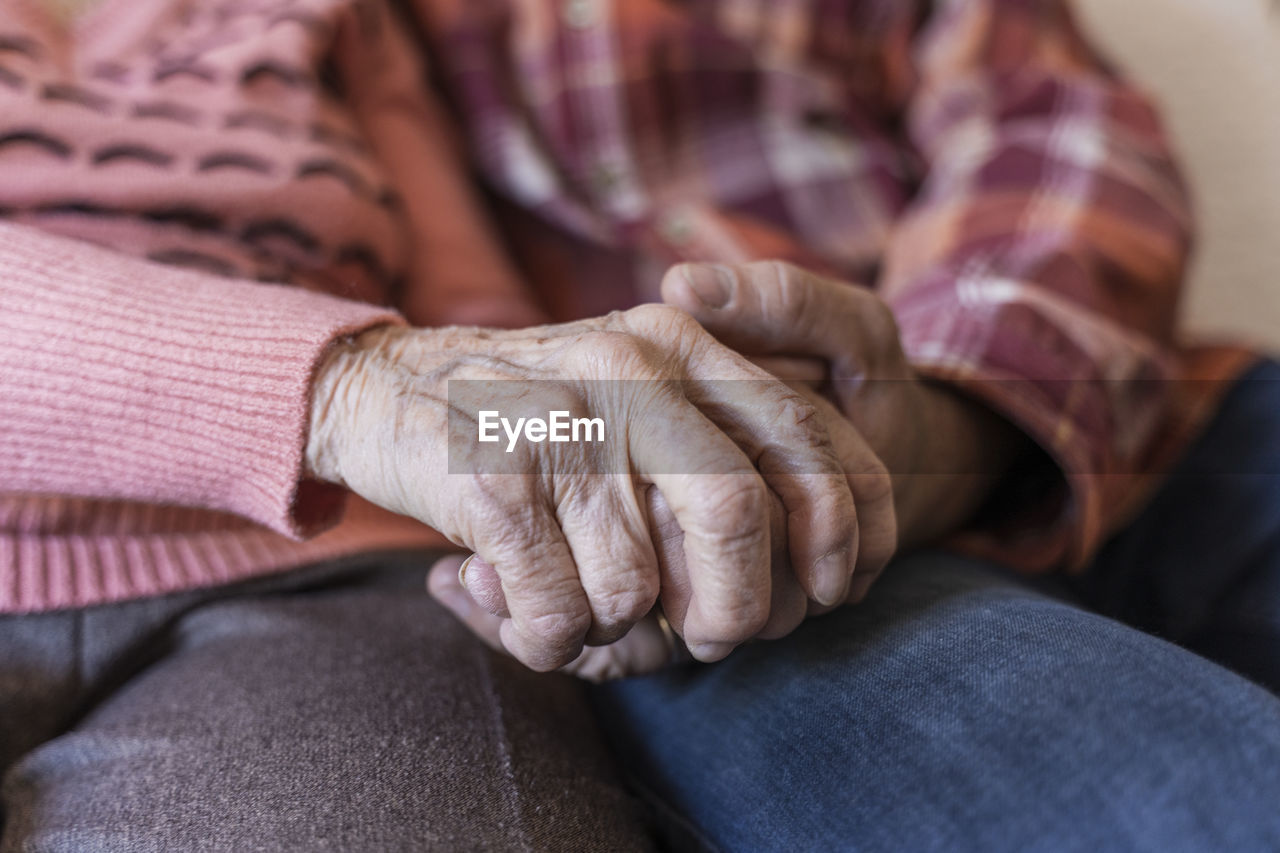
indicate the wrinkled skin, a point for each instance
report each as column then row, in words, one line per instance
column 573, row 553
column 827, row 339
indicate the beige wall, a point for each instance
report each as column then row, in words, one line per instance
column 1216, row 66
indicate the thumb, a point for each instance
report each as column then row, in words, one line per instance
column 444, row 586
column 773, row 308
column 645, row 649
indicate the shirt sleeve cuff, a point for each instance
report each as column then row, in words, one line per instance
column 1086, row 391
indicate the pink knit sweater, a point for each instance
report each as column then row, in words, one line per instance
column 154, row 387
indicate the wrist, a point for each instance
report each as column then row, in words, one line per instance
column 342, row 378
column 965, row 450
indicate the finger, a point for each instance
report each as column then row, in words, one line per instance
column 878, row 526
column 480, row 579
column 618, row 572
column 668, row 544
column 444, row 585
column 608, row 534
column 873, row 494
column 642, row 651
column 788, row 601
column 550, row 614
column 872, row 488
column 773, row 308
column 788, row 444
column 720, row 505
column 781, row 431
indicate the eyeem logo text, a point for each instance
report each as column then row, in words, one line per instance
column 557, row 428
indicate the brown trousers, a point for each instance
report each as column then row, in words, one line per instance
column 330, row 708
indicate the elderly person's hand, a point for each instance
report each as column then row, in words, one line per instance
column 573, row 550
column 472, row 591
column 837, row 345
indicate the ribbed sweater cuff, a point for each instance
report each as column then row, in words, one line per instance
column 124, row 379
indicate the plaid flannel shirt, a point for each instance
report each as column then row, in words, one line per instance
column 975, row 161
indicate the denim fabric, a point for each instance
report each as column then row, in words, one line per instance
column 960, row 708
column 337, row 708
column 964, row 708
column 1201, row 566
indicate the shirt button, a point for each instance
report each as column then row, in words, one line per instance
column 580, row 14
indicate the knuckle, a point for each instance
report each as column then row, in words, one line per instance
column 626, row 606
column 613, row 341
column 802, row 444
column 796, row 411
column 501, row 511
column 658, row 314
column 667, row 321
column 615, row 350
column 514, row 502
column 740, row 505
column 558, row 634
column 737, row 604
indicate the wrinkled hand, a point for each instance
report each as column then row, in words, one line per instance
column 475, row 596
column 838, row 345
column 574, row 551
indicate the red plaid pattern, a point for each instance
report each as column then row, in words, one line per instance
column 975, row 161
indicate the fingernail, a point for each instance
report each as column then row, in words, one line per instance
column 462, row 570
column 831, row 578
column 711, row 652
column 479, row 564
column 711, row 283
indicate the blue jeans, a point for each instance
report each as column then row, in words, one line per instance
column 962, row 707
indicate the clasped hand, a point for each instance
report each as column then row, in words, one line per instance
column 784, row 506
